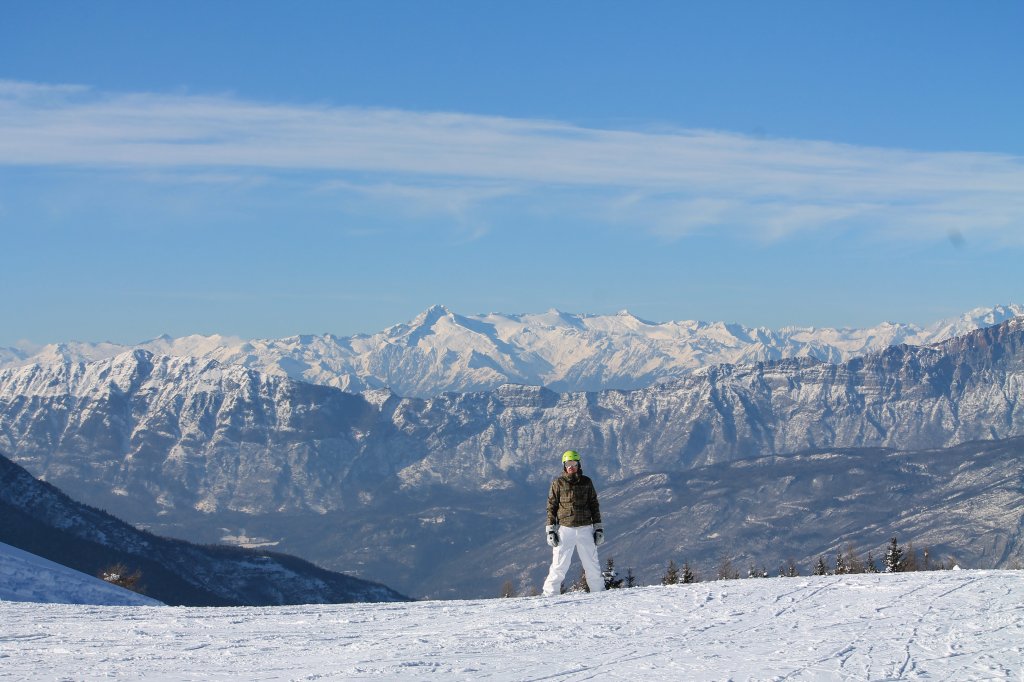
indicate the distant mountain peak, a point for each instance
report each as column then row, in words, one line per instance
column 441, row 351
column 434, row 312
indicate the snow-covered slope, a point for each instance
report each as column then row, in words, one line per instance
column 37, row 517
column 441, row 351
column 27, row 577
column 946, row 625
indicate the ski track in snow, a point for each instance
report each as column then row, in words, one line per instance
column 952, row 625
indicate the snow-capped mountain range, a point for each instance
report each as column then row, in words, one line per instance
column 388, row 487
column 442, row 351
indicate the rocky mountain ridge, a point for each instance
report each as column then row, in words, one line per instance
column 185, row 445
column 442, row 351
column 209, row 436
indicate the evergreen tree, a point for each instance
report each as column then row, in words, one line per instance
column 791, row 569
column 820, row 568
column 841, row 567
column 671, row 576
column 754, row 572
column 611, row 579
column 688, row 576
column 893, row 557
column 630, row 578
column 871, row 567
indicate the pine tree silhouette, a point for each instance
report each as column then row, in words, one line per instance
column 671, row 576
column 893, row 557
column 611, row 579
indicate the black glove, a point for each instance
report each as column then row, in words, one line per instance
column 552, row 532
column 598, row 533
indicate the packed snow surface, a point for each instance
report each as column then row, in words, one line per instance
column 949, row 625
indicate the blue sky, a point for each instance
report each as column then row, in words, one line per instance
column 268, row 169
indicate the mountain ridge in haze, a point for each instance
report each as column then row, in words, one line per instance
column 39, row 518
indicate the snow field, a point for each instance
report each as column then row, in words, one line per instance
column 31, row 578
column 952, row 625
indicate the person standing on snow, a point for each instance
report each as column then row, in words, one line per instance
column 574, row 523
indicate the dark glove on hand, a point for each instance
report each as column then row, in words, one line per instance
column 598, row 534
column 552, row 532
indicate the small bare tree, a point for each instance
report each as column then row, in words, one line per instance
column 854, row 564
column 726, row 571
column 119, row 574
column 910, row 562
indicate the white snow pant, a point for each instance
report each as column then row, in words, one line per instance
column 581, row 539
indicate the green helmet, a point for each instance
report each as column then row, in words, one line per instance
column 570, row 456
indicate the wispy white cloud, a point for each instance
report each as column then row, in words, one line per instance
column 449, row 198
column 20, row 90
column 460, row 202
column 671, row 182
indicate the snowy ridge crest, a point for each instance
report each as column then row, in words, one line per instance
column 442, row 351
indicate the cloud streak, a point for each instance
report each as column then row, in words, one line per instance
column 671, row 182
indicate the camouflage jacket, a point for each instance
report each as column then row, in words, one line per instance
column 573, row 502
